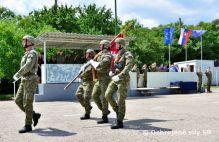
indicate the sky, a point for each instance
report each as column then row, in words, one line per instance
column 149, row 13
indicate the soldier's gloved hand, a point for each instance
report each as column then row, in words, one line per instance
column 15, row 77
column 94, row 63
column 115, row 78
column 111, row 74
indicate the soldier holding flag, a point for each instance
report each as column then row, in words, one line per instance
column 120, row 80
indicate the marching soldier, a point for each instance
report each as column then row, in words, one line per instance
column 199, row 74
column 102, row 65
column 120, row 82
column 29, row 80
column 84, row 91
column 209, row 79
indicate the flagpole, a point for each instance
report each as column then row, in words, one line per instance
column 186, row 52
column 169, row 55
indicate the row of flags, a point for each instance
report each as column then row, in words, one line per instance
column 184, row 35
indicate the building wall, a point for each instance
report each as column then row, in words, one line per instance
column 205, row 64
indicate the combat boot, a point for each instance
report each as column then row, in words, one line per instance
column 118, row 125
column 104, row 120
column 86, row 116
column 36, row 117
column 26, row 128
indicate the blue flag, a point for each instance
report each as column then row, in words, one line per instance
column 168, row 35
column 197, row 33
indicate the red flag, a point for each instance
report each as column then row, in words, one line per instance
column 113, row 49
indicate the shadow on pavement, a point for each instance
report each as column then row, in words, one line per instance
column 52, row 132
column 111, row 120
column 144, row 124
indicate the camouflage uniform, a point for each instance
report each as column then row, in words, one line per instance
column 199, row 74
column 135, row 69
column 25, row 94
column 209, row 77
column 84, row 91
column 145, row 70
column 103, row 79
column 123, row 64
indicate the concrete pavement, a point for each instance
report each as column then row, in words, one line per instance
column 181, row 118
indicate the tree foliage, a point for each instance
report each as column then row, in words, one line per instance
column 95, row 20
column 6, row 13
column 62, row 18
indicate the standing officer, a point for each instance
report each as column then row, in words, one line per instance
column 84, row 91
column 209, row 78
column 29, row 80
column 120, row 82
column 199, row 74
column 145, row 71
column 102, row 65
column 135, row 69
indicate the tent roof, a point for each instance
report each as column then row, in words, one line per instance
column 72, row 40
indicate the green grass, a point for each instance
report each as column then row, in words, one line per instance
column 4, row 97
column 215, row 86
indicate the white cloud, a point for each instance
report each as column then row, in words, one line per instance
column 23, row 7
column 170, row 7
column 146, row 22
column 16, row 6
column 208, row 1
column 150, row 23
column 216, row 16
column 39, row 4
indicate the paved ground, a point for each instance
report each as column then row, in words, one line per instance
column 181, row 118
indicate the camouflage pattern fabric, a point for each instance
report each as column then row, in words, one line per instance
column 209, row 79
column 25, row 94
column 103, row 79
column 84, row 90
column 123, row 64
column 199, row 74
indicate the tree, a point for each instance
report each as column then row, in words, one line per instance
column 6, row 13
column 95, row 20
column 10, row 48
column 145, row 47
column 63, row 18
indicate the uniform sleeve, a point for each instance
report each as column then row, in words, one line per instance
column 31, row 58
column 105, row 63
column 87, row 71
column 128, row 66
